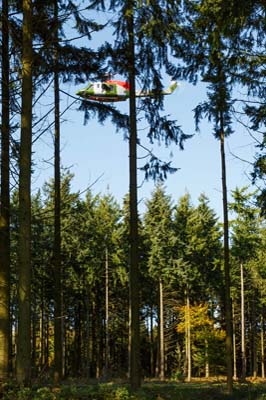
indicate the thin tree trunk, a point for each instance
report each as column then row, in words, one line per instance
column 42, row 337
column 5, row 342
column 42, row 329
column 234, row 344
column 47, row 336
column 98, row 346
column 188, row 338
column 151, row 344
column 23, row 366
column 58, row 334
column 207, row 364
column 227, row 283
column 254, row 339
column 134, row 339
column 262, row 348
column 34, row 321
column 161, row 330
column 243, row 343
column 107, row 349
column 87, row 332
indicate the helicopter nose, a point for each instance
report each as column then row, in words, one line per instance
column 81, row 93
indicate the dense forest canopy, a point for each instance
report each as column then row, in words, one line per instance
column 68, row 297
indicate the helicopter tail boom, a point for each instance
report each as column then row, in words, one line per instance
column 145, row 93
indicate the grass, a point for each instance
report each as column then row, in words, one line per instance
column 196, row 390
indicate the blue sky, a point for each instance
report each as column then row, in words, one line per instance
column 96, row 153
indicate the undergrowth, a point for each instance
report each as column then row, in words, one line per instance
column 148, row 391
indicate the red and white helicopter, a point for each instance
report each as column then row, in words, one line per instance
column 116, row 90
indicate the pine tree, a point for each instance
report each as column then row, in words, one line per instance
column 135, row 55
column 23, row 366
column 212, row 59
column 5, row 203
column 158, row 228
column 245, row 242
column 58, row 338
column 205, row 250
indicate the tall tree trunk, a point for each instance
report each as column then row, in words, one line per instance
column 152, row 369
column 107, row 349
column 234, row 344
column 134, row 339
column 23, row 365
column 243, row 328
column 58, row 321
column 262, row 348
column 87, row 330
column 207, row 364
column 227, row 283
column 34, row 321
column 188, row 338
column 47, row 336
column 254, row 337
column 42, row 334
column 161, row 330
column 5, row 342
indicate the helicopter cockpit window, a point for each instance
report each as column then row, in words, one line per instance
column 107, row 87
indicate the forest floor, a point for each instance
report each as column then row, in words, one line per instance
column 213, row 389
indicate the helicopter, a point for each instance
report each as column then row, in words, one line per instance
column 116, row 90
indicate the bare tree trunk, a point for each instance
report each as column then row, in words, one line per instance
column 47, row 336
column 234, row 344
column 42, row 336
column 161, row 330
column 34, row 321
column 254, row 338
column 87, row 332
column 23, row 366
column 107, row 349
column 227, row 283
column 188, row 340
column 5, row 342
column 151, row 344
column 243, row 342
column 134, row 339
column 262, row 348
column 58, row 319
column 207, row 364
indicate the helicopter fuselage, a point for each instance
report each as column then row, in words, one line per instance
column 108, row 91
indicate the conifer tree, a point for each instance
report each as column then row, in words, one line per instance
column 159, row 230
column 205, row 250
column 186, row 275
column 197, row 259
column 137, row 54
column 245, row 243
column 5, row 202
column 23, row 365
column 212, row 59
column 58, row 338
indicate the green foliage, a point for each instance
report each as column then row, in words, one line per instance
column 206, row 337
column 149, row 391
column 150, row 31
column 17, row 393
column 245, row 226
column 159, row 231
column 44, row 393
column 197, row 247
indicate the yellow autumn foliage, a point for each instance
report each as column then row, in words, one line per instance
column 201, row 325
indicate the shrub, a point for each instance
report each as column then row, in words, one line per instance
column 44, row 393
